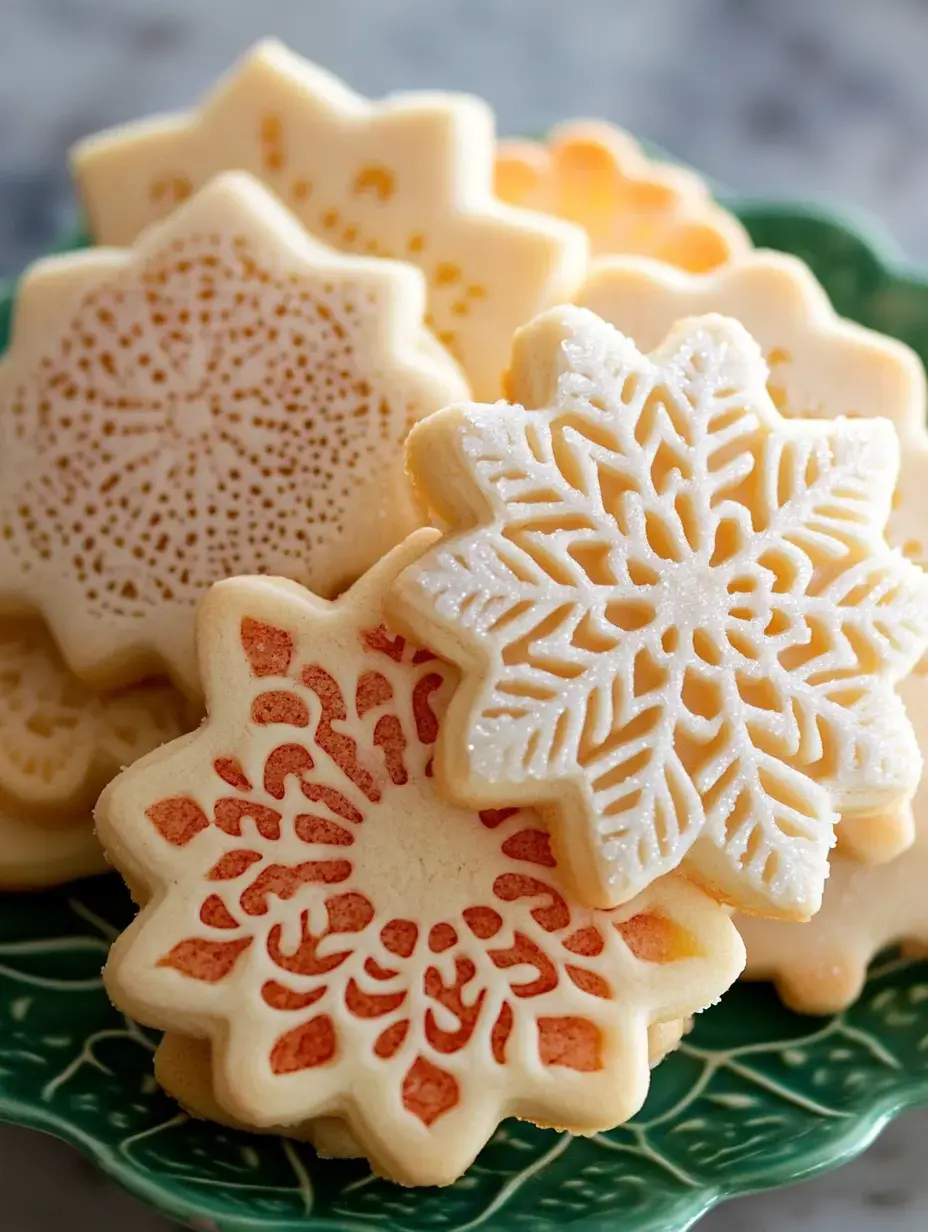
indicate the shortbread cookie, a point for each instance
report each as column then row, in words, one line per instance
column 60, row 742
column 409, row 177
column 820, row 967
column 33, row 857
column 820, row 367
column 677, row 620
column 183, row 1067
column 228, row 397
column 353, row 946
column 592, row 173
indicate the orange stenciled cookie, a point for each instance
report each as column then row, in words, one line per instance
column 227, row 397
column 353, row 946
column 677, row 620
column 820, row 366
column 409, row 177
column 592, row 173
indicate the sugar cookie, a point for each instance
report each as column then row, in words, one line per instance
column 230, row 396
column 820, row 367
column 183, row 1067
column 421, row 975
column 596, row 175
column 409, row 177
column 676, row 617
column 34, row 857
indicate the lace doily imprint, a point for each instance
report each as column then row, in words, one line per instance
column 228, row 397
column 596, row 175
column 678, row 623
column 821, row 367
column 60, row 742
column 183, row 1067
column 355, row 947
column 409, row 177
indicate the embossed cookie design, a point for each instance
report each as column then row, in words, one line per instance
column 820, row 367
column 227, row 397
column 597, row 176
column 409, row 178
column 353, row 946
column 676, row 618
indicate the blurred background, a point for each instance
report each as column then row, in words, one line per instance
column 820, row 99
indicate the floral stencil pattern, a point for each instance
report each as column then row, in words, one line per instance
column 228, row 398
column 371, row 951
column 678, row 622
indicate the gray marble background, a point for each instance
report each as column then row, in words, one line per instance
column 793, row 98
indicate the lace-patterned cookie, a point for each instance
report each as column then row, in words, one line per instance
column 820, row 367
column 183, row 1067
column 61, row 743
column 33, row 857
column 355, row 947
column 596, row 175
column 409, row 177
column 820, row 967
column 228, row 397
column 678, row 623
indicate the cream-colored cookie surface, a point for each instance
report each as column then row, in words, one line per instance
column 597, row 176
column 34, row 857
column 676, row 617
column 229, row 396
column 820, row 367
column 409, row 177
column 353, row 945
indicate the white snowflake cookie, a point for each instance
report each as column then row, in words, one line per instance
column 677, row 621
column 353, row 946
column 229, row 396
column 410, row 177
column 820, row 367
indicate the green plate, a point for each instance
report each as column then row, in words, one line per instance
column 756, row 1096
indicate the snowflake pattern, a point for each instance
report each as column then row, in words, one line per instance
column 353, row 945
column 229, row 397
column 593, row 174
column 678, row 623
column 408, row 178
column 820, row 367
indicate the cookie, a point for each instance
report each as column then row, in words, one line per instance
column 821, row 366
column 183, row 1067
column 597, row 176
column 820, row 967
column 677, row 620
column 35, row 857
column 352, row 945
column 229, row 396
column 60, row 742
column 409, row 177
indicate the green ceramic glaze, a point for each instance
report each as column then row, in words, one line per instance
column 756, row 1097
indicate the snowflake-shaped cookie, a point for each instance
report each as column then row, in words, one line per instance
column 228, row 397
column 595, row 175
column 409, row 177
column 354, row 946
column 678, row 623
column 60, row 742
column 820, row 367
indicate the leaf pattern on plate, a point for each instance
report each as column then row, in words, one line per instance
column 757, row 1096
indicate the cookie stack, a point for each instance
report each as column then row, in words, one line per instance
column 542, row 560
